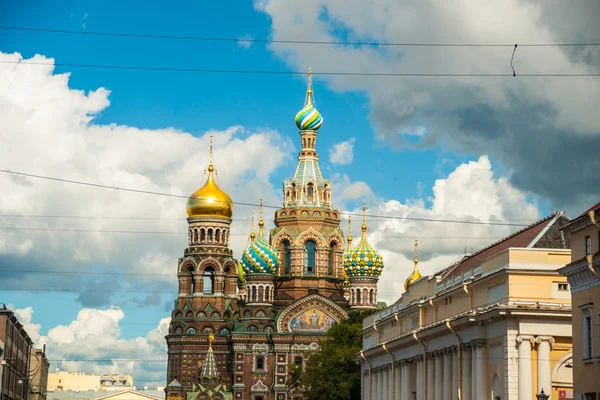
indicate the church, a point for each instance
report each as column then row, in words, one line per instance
column 240, row 322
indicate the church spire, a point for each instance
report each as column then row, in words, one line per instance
column 252, row 234
column 210, row 365
column 349, row 232
column 261, row 222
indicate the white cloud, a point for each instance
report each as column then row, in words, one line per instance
column 96, row 335
column 48, row 129
column 470, row 192
column 342, row 153
column 521, row 122
column 245, row 42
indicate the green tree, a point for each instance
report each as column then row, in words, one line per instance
column 333, row 373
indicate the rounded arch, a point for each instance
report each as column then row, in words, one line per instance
column 308, row 234
column 496, row 388
column 283, row 214
column 230, row 267
column 208, row 329
column 186, row 263
column 210, row 262
column 562, row 371
column 292, row 213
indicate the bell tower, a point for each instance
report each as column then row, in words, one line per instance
column 307, row 231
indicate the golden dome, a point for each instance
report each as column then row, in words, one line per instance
column 415, row 275
column 210, row 200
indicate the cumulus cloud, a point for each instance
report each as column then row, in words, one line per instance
column 96, row 335
column 471, row 192
column 49, row 129
column 342, row 153
column 542, row 130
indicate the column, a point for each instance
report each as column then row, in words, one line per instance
column 398, row 386
column 525, row 376
column 386, row 384
column 466, row 374
column 439, row 376
column 544, row 365
column 366, row 387
column 447, row 375
column 430, row 379
column 473, row 372
column 455, row 374
column 375, row 389
column 419, row 379
column 482, row 376
column 405, row 384
column 410, row 379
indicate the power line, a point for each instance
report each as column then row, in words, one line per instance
column 311, row 42
column 75, row 230
column 97, row 185
column 148, row 218
column 331, row 73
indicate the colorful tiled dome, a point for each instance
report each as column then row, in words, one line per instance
column 260, row 257
column 363, row 260
column 309, row 119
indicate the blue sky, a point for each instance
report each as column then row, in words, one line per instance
column 482, row 159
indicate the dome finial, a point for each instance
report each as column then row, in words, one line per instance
column 416, row 251
column 252, row 234
column 309, row 100
column 211, row 167
column 364, row 220
column 349, row 232
column 261, row 223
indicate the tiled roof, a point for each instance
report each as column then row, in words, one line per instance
column 526, row 237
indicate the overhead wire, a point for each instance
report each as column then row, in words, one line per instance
column 324, row 73
column 155, row 193
column 286, row 41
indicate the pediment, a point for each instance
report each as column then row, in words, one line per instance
column 311, row 314
column 259, row 387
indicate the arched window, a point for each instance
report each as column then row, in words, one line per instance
column 254, row 295
column 190, row 270
column 371, row 296
column 310, row 248
column 209, row 280
column 218, row 236
column 287, row 257
column 309, row 192
column 332, row 250
column 195, row 239
column 357, row 296
column 210, row 235
column 202, row 235
column 293, row 191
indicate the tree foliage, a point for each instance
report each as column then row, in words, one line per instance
column 333, row 373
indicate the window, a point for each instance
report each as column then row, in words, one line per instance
column 563, row 287
column 309, row 192
column 260, row 362
column 587, row 337
column 590, row 396
column 298, row 360
column 287, row 257
column 357, row 296
column 210, row 235
column 209, row 280
column 309, row 257
column 588, row 245
column 332, row 250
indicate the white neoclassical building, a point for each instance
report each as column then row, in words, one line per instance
column 495, row 325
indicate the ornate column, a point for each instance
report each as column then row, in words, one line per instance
column 447, row 375
column 482, row 361
column 376, row 389
column 407, row 384
column 543, row 364
column 439, row 376
column 365, row 386
column 455, row 382
column 466, row 372
column 525, row 376
column 473, row 376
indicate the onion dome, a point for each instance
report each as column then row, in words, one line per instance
column 309, row 119
column 415, row 275
column 363, row 260
column 241, row 274
column 260, row 257
column 210, row 200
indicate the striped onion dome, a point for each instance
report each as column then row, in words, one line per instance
column 260, row 257
column 309, row 119
column 363, row 260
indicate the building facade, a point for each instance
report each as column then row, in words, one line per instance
column 270, row 307
column 38, row 374
column 79, row 381
column 494, row 325
column 15, row 359
column 583, row 274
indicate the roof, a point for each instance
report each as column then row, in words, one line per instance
column 131, row 394
column 539, row 234
column 584, row 215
